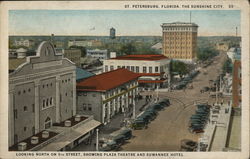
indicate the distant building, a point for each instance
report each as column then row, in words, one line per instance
column 21, row 53
column 157, row 46
column 59, row 44
column 83, row 43
column 237, row 77
column 73, row 55
column 42, row 103
column 112, row 33
column 154, row 69
column 180, row 41
column 107, row 94
column 27, row 43
column 98, row 54
column 222, row 46
column 12, row 53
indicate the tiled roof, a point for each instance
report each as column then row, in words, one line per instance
column 14, row 63
column 107, row 80
column 150, row 81
column 82, row 74
column 148, row 57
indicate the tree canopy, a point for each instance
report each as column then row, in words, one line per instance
column 206, row 53
column 179, row 67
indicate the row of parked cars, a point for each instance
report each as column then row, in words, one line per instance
column 149, row 114
column 200, row 118
column 187, row 79
column 115, row 140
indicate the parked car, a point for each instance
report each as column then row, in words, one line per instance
column 188, row 145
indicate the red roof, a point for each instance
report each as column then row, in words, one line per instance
column 151, row 81
column 107, row 80
column 147, row 57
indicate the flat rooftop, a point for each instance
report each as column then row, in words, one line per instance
column 143, row 57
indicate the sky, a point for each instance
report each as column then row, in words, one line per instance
column 126, row 22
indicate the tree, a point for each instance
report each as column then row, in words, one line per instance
column 227, row 66
column 83, row 49
column 128, row 49
column 206, row 53
column 179, row 67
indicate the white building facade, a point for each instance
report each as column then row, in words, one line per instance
column 154, row 69
column 41, row 92
column 103, row 98
column 98, row 54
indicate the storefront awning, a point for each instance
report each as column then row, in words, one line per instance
column 71, row 136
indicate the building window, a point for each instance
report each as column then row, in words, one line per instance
column 89, row 108
column 118, row 66
column 25, row 108
column 128, row 67
column 47, row 102
column 24, row 128
column 137, row 69
column 19, row 92
column 51, row 101
column 144, row 69
column 156, row 69
column 24, row 91
column 111, row 68
column 106, row 68
column 132, row 68
column 66, row 94
column 29, row 90
column 150, row 70
column 47, row 123
column 43, row 103
column 161, row 69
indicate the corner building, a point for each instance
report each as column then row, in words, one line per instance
column 41, row 92
column 107, row 94
column 180, row 41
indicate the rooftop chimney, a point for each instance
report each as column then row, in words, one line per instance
column 45, row 134
column 34, row 140
column 67, row 123
column 22, row 146
column 77, row 118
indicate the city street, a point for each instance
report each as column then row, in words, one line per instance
column 171, row 125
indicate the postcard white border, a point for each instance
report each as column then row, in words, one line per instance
column 119, row 5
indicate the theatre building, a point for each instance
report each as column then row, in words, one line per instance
column 153, row 68
column 42, row 103
column 107, row 94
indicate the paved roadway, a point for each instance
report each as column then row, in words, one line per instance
column 171, row 125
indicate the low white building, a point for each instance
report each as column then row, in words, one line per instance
column 21, row 53
column 22, row 42
column 153, row 68
column 98, row 54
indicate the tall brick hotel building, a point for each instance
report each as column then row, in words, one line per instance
column 180, row 40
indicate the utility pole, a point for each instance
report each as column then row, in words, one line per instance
column 97, row 140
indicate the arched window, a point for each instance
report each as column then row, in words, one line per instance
column 47, row 123
column 47, row 102
column 51, row 101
